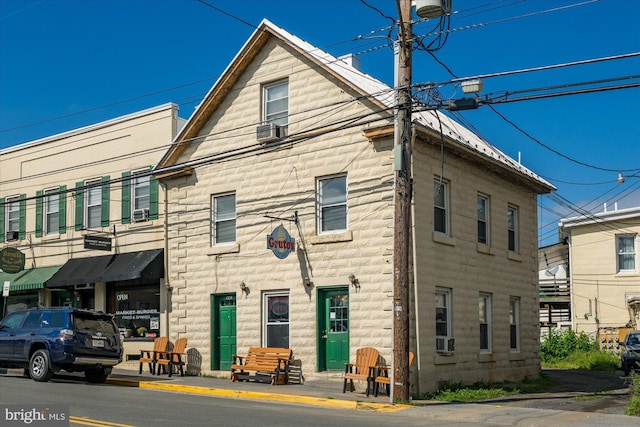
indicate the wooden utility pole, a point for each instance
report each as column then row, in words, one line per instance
column 402, row 223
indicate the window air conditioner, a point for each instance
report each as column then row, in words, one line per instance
column 268, row 132
column 12, row 235
column 445, row 344
column 140, row 215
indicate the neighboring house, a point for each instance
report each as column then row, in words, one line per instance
column 554, row 287
column 281, row 191
column 605, row 275
column 85, row 211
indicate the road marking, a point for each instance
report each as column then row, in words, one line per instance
column 96, row 423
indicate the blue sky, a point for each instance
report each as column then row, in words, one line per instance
column 65, row 64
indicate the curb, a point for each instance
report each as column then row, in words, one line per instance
column 262, row 396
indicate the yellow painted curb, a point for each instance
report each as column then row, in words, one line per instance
column 271, row 397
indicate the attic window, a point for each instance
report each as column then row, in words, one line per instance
column 275, row 103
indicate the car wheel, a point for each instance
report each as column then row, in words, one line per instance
column 39, row 368
column 98, row 375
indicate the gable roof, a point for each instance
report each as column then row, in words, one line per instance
column 363, row 83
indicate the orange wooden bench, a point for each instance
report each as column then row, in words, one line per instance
column 268, row 364
column 363, row 369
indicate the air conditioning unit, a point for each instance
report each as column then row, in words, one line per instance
column 12, row 235
column 445, row 345
column 140, row 215
column 268, row 132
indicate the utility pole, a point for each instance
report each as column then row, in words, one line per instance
column 403, row 192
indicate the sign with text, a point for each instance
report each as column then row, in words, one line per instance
column 6, row 288
column 280, row 242
column 97, row 243
column 11, row 260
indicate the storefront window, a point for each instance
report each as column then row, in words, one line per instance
column 136, row 309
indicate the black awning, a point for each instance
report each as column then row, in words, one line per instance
column 109, row 268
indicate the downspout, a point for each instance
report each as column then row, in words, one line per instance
column 167, row 285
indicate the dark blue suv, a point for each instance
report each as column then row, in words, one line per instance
column 44, row 341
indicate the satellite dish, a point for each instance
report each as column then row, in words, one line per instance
column 552, row 271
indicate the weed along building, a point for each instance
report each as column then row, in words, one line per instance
column 89, row 218
column 281, row 191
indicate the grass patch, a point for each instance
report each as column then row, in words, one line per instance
column 594, row 360
column 456, row 392
column 634, row 403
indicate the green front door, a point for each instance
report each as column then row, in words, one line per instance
column 334, row 328
column 223, row 331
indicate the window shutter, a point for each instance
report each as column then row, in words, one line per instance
column 106, row 198
column 126, row 197
column 62, row 210
column 79, row 206
column 23, row 217
column 153, row 197
column 39, row 203
column 2, row 220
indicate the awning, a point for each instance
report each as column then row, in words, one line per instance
column 110, row 268
column 25, row 280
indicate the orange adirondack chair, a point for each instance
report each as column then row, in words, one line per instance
column 151, row 356
column 383, row 377
column 174, row 358
column 363, row 369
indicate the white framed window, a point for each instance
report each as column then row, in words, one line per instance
column 51, row 211
column 514, row 323
column 275, row 103
column 483, row 219
column 443, row 313
column 223, row 218
column 140, row 189
column 12, row 214
column 93, row 204
column 512, row 228
column 484, row 317
column 441, row 206
column 332, row 204
column 626, row 250
column 275, row 308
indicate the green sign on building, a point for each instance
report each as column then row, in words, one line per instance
column 11, row 260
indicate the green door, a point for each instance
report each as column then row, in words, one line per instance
column 223, row 331
column 334, row 328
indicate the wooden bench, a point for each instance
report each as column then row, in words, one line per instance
column 268, row 364
column 363, row 369
column 151, row 356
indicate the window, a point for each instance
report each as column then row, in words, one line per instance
column 443, row 313
column 512, row 228
column 332, row 204
column 12, row 221
column 51, row 208
column 276, row 103
column 441, row 206
column 514, row 323
column 93, row 204
column 484, row 316
column 140, row 190
column 224, row 219
column 276, row 319
column 139, row 196
column 483, row 219
column 626, row 246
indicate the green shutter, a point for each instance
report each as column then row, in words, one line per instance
column 153, row 197
column 79, row 206
column 126, row 197
column 23, row 217
column 39, row 203
column 2, row 220
column 62, row 210
column 106, row 198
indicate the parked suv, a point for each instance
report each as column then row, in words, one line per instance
column 631, row 352
column 44, row 341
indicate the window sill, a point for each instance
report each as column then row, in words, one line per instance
column 345, row 236
column 224, row 249
column 515, row 356
column 50, row 237
column 444, row 359
column 485, row 249
column 443, row 238
column 627, row 274
column 514, row 256
column 140, row 224
column 486, row 357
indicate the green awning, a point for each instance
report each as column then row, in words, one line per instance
column 25, row 280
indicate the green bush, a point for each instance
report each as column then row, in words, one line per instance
column 634, row 403
column 558, row 344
